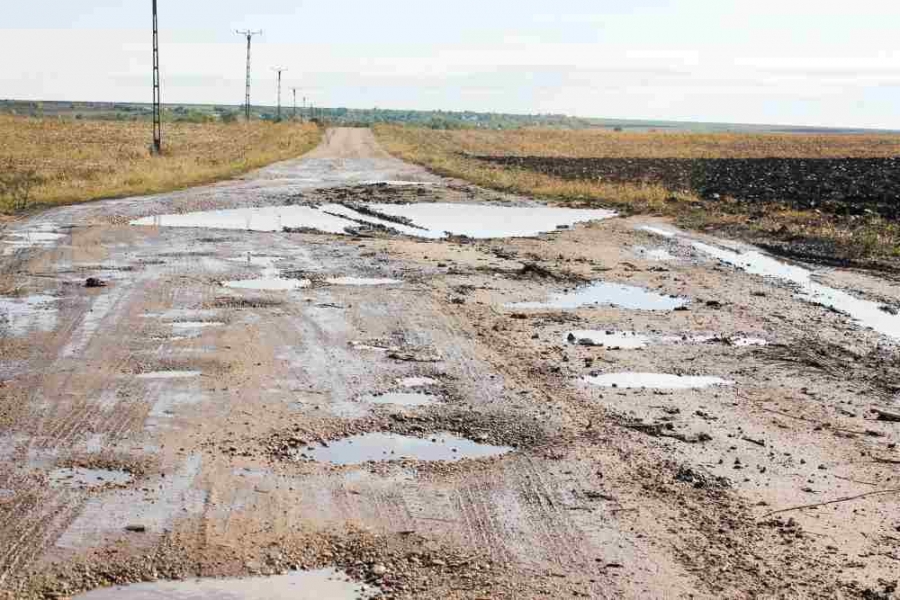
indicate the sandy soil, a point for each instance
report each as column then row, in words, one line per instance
column 608, row 493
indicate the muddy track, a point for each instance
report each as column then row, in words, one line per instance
column 163, row 426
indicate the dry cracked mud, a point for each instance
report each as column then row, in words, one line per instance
column 164, row 426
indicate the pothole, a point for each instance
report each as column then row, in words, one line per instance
column 383, row 447
column 608, row 294
column 362, row 281
column 625, row 340
column 433, row 220
column 79, row 477
column 323, row 584
column 866, row 313
column 658, row 381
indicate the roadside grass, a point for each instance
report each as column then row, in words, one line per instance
column 819, row 234
column 71, row 161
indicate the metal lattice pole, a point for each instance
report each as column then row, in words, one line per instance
column 249, row 35
column 279, row 71
column 157, row 96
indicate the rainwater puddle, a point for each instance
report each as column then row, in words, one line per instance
column 388, row 446
column 170, row 375
column 361, row 281
column 656, row 381
column 26, row 239
column 325, row 584
column 88, row 478
column 865, row 312
column 272, row 284
column 427, row 220
column 625, row 340
column 18, row 316
column 608, row 294
column 414, row 382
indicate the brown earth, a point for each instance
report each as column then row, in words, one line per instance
column 607, row 494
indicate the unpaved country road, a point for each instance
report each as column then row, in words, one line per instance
column 164, row 426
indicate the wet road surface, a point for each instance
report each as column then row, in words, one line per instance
column 370, row 394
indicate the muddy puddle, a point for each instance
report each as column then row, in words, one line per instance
column 606, row 294
column 368, row 447
column 866, row 313
column 658, row 231
column 425, row 220
column 623, row 340
column 655, row 381
column 270, row 284
column 325, row 584
column 43, row 235
column 78, row 477
column 19, row 316
column 361, row 281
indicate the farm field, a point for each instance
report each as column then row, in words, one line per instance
column 821, row 197
column 70, row 161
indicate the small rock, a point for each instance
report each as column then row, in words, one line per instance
column 136, row 528
column 93, row 282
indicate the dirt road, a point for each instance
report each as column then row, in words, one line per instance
column 188, row 418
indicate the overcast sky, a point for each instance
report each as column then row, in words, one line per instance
column 798, row 62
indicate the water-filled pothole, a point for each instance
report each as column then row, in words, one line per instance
column 415, row 382
column 625, row 340
column 431, row 220
column 658, row 381
column 866, row 313
column 361, row 281
column 609, row 294
column 271, row 284
column 79, row 477
column 325, row 584
column 379, row 446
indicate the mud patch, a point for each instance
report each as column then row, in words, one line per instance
column 325, row 584
column 654, row 381
column 606, row 294
column 385, row 447
column 241, row 303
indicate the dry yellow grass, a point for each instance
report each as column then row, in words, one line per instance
column 78, row 161
column 604, row 143
column 444, row 152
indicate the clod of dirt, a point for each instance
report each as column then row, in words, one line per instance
column 93, row 282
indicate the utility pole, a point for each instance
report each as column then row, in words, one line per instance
column 295, row 102
column 249, row 35
column 303, row 112
column 157, row 97
column 279, row 70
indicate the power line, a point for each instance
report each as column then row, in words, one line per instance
column 249, row 35
column 279, row 70
column 157, row 96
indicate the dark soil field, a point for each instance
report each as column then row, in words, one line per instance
column 845, row 186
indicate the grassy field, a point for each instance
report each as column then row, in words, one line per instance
column 807, row 232
column 68, row 161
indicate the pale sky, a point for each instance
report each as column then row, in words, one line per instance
column 800, row 62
